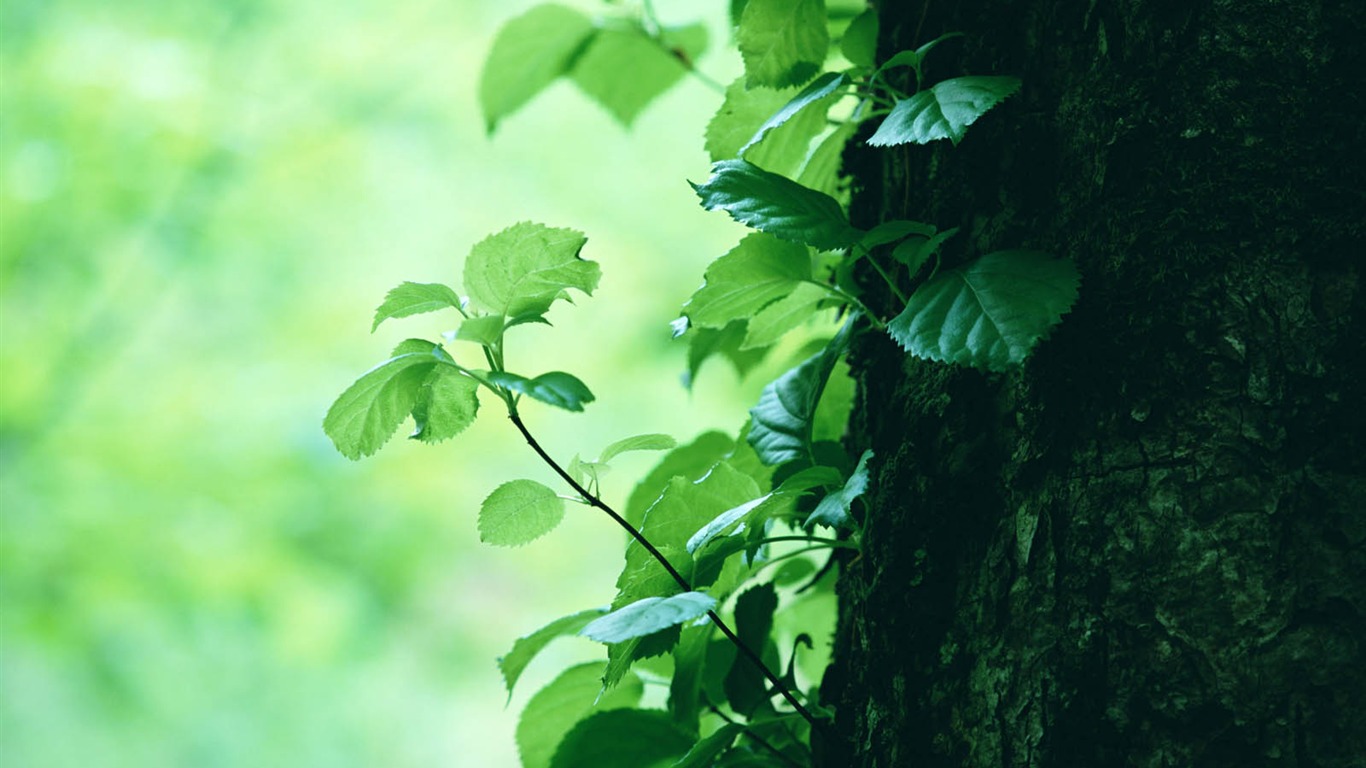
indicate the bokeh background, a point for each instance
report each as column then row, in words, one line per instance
column 203, row 201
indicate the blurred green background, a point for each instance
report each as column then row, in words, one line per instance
column 203, row 201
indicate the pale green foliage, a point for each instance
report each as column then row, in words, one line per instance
column 624, row 69
column 446, row 404
column 527, row 647
column 529, row 53
column 754, row 274
column 415, row 298
column 782, row 148
column 526, row 267
column 776, row 205
column 365, row 416
column 563, row 703
column 519, row 512
column 556, row 388
column 647, row 616
column 783, row 42
column 990, row 313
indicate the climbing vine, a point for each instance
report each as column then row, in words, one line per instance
column 723, row 531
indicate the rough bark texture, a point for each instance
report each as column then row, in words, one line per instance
column 1145, row 547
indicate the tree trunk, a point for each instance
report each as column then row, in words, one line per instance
column 1146, row 546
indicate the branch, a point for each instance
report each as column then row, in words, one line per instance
column 594, row 501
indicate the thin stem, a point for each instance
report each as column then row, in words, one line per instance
column 825, row 543
column 593, row 500
column 887, row 279
column 853, row 300
column 751, row 735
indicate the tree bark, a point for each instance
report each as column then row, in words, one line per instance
column 1145, row 547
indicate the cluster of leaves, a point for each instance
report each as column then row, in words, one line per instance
column 698, row 598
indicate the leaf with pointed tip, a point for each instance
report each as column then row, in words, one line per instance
column 816, row 91
column 519, row 512
column 650, row 442
column 414, row 299
column 782, row 42
column 623, row 69
column 914, row 252
column 622, row 738
column 368, row 413
column 777, row 205
column 914, row 58
column 859, row 44
column 565, row 702
column 833, row 510
column 753, row 274
column 944, row 111
column 691, row 461
column 556, row 388
column 988, row 313
column 526, row 267
column 783, row 149
column 446, row 404
column 648, row 616
column 891, row 231
column 483, row 329
column 782, row 420
column 746, row 687
column 791, row 311
column 706, row 342
column 721, row 522
column 529, row 53
column 527, row 647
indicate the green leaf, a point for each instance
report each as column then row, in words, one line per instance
column 706, row 342
column 821, row 87
column 529, row 53
column 784, row 148
column 753, row 274
column 721, row 522
column 686, row 685
column 782, row 420
column 942, row 112
column 367, row 414
column 650, row 442
column 446, row 404
column 834, row 508
column 914, row 58
column 556, row 388
column 484, row 329
column 859, row 44
column 777, row 205
column 623, row 69
column 837, row 402
column 648, row 616
column 782, row 42
column 746, row 687
column 989, row 313
column 523, row 269
column 914, row 252
column 775, row 320
column 414, row 299
column 690, row 462
column 822, row 169
column 562, row 704
column 519, row 512
column 891, row 231
column 704, row 753
column 528, row 646
column 622, row 738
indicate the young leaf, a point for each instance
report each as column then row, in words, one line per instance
column 746, row 687
column 519, row 512
column 648, row 616
column 622, row 738
column 528, row 646
column 823, row 86
column 914, row 58
column 651, row 442
column 989, row 313
column 556, row 388
column 414, row 299
column 859, row 44
column 753, row 274
column 942, row 112
column 821, row 171
column 781, row 421
column 366, row 415
column 721, row 522
column 783, row 149
column 834, row 508
column 775, row 320
column 446, row 404
column 914, row 252
column 777, row 205
column 523, row 269
column 891, row 231
column 705, row 342
column 528, row 53
column 782, row 42
column 691, row 462
column 623, row 69
column 555, row 709
column 484, row 329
